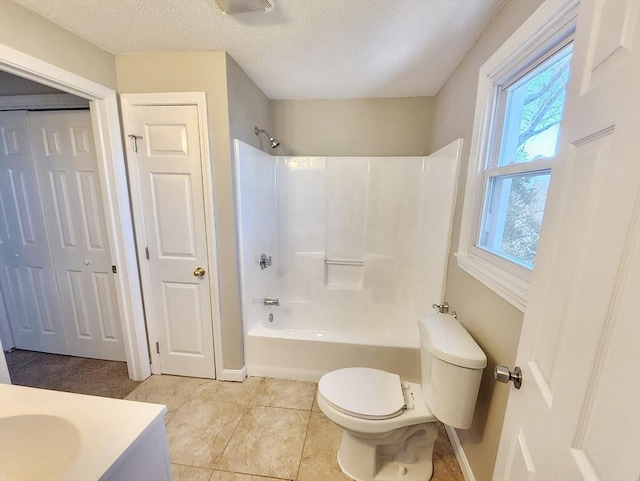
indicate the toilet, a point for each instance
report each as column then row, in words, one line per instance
column 390, row 424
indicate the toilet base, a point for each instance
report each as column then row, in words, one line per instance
column 405, row 454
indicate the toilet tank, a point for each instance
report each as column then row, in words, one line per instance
column 452, row 365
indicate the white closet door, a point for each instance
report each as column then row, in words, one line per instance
column 169, row 169
column 27, row 278
column 69, row 182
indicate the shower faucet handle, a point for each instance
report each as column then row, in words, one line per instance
column 272, row 302
column 265, row 261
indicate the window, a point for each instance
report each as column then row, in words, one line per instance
column 521, row 97
column 516, row 177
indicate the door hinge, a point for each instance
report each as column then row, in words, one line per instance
column 135, row 141
column 114, row 269
column 158, row 347
column 146, row 252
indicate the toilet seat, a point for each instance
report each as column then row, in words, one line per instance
column 363, row 392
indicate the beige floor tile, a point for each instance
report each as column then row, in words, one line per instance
column 315, row 406
column 282, row 393
column 227, row 391
column 190, row 473
column 226, row 476
column 171, row 385
column 200, row 430
column 173, row 403
column 319, row 458
column 267, row 442
column 445, row 463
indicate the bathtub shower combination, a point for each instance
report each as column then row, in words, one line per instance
column 339, row 257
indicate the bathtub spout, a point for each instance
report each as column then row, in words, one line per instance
column 272, row 302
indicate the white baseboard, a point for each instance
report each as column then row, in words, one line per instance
column 237, row 375
column 465, row 467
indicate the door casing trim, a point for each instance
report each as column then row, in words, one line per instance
column 113, row 180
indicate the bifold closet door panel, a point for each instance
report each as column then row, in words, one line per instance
column 27, row 276
column 69, row 184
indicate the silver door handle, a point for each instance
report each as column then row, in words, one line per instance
column 503, row 374
column 272, row 302
column 265, row 261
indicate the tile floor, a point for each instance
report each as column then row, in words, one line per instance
column 258, row 430
column 70, row 374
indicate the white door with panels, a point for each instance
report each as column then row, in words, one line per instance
column 57, row 277
column 577, row 415
column 27, row 277
column 66, row 164
column 166, row 156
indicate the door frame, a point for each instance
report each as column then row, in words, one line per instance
column 113, row 180
column 199, row 100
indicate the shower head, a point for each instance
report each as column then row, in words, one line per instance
column 274, row 142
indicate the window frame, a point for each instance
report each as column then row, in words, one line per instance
column 549, row 30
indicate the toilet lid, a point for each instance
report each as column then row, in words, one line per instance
column 363, row 392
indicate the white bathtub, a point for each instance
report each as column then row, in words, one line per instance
column 277, row 350
column 359, row 245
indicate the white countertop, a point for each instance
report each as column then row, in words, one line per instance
column 107, row 427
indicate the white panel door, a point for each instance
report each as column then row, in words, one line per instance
column 169, row 169
column 577, row 415
column 27, row 279
column 69, row 183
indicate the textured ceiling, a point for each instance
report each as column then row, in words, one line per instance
column 303, row 49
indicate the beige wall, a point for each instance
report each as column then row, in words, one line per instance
column 493, row 322
column 207, row 72
column 388, row 126
column 31, row 34
column 248, row 107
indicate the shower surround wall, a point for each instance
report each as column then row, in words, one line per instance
column 359, row 248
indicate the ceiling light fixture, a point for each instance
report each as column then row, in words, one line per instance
column 233, row 7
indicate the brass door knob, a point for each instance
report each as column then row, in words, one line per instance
column 199, row 272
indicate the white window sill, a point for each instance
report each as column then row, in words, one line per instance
column 507, row 285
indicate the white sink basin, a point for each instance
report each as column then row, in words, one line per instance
column 36, row 446
column 59, row 436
